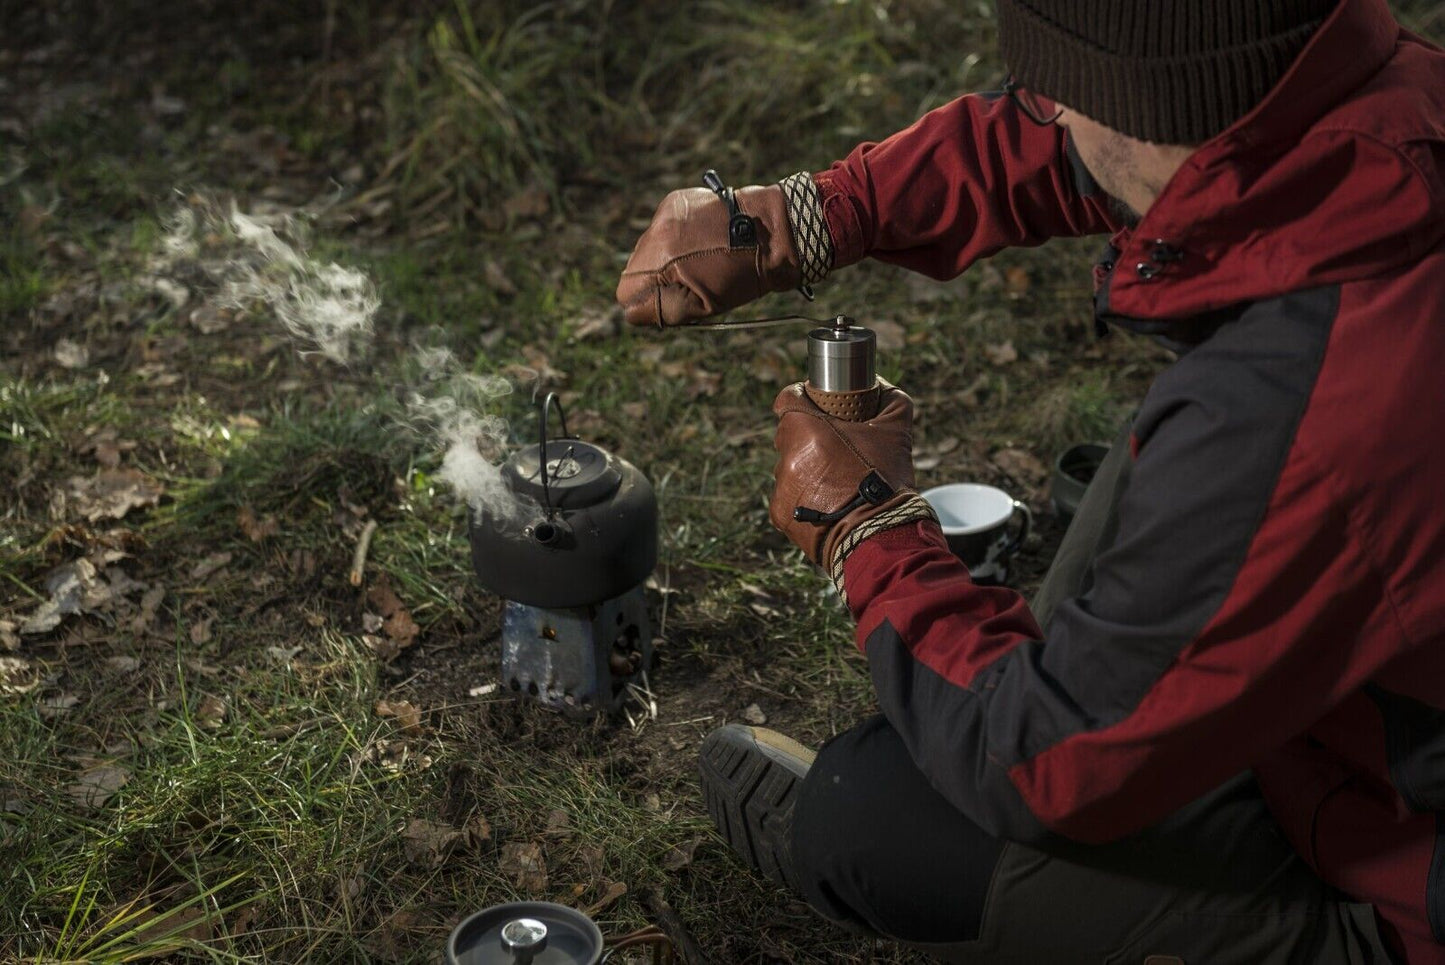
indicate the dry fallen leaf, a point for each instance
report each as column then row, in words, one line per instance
column 428, row 843
column 597, row 323
column 96, row 784
column 255, row 529
column 211, row 713
column 107, row 451
column 680, row 856
column 149, row 604
column 209, row 565
column 1016, row 280
column 407, row 714
column 210, row 319
column 158, row 374
column 383, row 598
column 531, row 202
column 397, row 755
column 71, row 355
column 401, row 629
column 9, row 638
column 1003, row 353
column 383, row 648
column 945, row 445
column 17, row 676
column 201, row 631
column 122, row 665
column 1021, row 464
column 593, row 859
column 242, row 922
column 74, row 587
column 496, row 278
column 525, row 865
column 112, row 493
column 611, row 891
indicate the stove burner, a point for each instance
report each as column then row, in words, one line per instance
column 578, row 660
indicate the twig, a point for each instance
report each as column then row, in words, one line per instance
column 358, row 560
column 691, row 953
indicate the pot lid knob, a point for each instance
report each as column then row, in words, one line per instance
column 524, row 938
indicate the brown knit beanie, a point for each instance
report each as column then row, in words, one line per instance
column 1168, row 71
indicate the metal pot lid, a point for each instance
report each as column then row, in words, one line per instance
column 578, row 473
column 526, row 933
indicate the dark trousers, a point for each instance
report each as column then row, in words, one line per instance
column 876, row 848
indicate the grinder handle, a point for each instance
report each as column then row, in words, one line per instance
column 857, row 406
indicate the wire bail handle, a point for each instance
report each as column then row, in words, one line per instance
column 547, row 405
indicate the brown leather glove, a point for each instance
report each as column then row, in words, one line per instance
column 683, row 269
column 856, row 476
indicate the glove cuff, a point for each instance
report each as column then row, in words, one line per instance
column 911, row 509
column 811, row 239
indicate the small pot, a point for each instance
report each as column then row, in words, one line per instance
column 1073, row 471
column 526, row 933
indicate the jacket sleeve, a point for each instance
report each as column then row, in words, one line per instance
column 1222, row 619
column 963, row 182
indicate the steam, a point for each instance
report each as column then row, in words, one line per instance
column 326, row 305
column 454, row 407
column 260, row 265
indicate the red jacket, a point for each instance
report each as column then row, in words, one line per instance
column 1274, row 597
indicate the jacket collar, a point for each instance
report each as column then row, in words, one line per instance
column 1283, row 198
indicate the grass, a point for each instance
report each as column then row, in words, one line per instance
column 573, row 98
column 507, row 158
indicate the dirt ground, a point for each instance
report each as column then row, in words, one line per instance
column 213, row 746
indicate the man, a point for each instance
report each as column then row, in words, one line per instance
column 1218, row 733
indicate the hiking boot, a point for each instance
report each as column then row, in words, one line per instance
column 750, row 780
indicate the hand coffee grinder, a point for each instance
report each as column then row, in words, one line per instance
column 842, row 370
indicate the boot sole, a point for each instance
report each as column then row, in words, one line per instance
column 750, row 788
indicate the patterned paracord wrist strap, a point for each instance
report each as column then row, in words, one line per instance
column 911, row 510
column 810, row 229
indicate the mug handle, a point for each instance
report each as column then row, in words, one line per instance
column 1025, row 525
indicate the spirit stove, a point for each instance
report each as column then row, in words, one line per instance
column 575, row 627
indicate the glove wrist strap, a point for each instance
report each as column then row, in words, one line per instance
column 809, row 227
column 911, row 510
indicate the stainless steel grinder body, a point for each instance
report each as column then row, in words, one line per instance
column 842, row 370
column 842, row 359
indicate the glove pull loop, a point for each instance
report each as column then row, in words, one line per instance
column 742, row 230
column 873, row 490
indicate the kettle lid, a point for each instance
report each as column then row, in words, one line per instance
column 578, row 473
column 526, row 933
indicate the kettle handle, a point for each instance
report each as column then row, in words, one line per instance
column 547, row 404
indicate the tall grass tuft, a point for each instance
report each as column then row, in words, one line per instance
column 501, row 97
